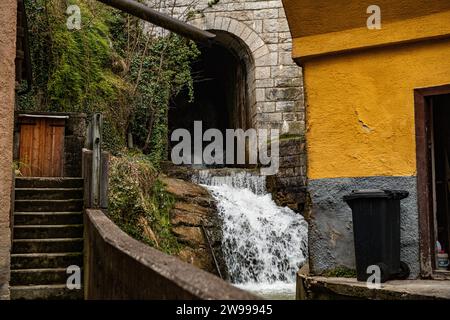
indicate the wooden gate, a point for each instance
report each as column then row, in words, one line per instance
column 41, row 146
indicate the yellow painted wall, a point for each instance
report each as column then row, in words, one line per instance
column 313, row 17
column 360, row 108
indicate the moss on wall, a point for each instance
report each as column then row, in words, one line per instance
column 111, row 65
column 139, row 204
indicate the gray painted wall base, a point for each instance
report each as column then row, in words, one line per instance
column 331, row 229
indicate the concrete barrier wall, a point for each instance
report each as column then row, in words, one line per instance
column 119, row 267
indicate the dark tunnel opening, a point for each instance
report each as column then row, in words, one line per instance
column 221, row 91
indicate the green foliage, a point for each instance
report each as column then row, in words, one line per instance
column 138, row 203
column 159, row 75
column 112, row 66
column 340, row 272
column 70, row 67
column 113, row 140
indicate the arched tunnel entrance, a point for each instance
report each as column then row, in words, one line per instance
column 223, row 89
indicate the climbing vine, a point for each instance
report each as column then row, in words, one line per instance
column 138, row 203
column 113, row 64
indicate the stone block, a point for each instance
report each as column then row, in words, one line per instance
column 260, row 95
column 270, row 25
column 270, row 38
column 260, row 52
column 270, row 117
column 262, row 73
column 289, row 116
column 266, row 14
column 284, row 37
column 283, row 94
column 246, row 33
column 267, row 107
column 288, row 82
column 297, row 127
column 285, row 58
column 269, row 8
column 286, row 106
column 290, row 161
column 264, row 83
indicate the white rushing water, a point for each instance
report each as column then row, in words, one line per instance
column 263, row 244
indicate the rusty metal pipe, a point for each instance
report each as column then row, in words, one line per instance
column 162, row 20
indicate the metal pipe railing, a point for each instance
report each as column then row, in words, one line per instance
column 162, row 20
column 211, row 250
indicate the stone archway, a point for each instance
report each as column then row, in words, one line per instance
column 246, row 44
column 224, row 92
column 242, row 49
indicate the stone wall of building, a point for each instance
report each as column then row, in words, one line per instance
column 288, row 186
column 259, row 34
column 8, row 8
column 261, row 26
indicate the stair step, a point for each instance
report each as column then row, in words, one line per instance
column 28, row 182
column 26, row 218
column 45, row 292
column 55, row 245
column 45, row 260
column 48, row 193
column 39, row 276
column 48, row 205
column 48, row 231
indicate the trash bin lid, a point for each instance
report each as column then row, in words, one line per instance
column 376, row 193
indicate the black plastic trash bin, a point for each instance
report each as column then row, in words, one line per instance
column 376, row 230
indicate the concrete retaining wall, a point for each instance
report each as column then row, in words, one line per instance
column 119, row 267
column 288, row 186
column 261, row 34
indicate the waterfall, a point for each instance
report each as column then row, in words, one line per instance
column 263, row 244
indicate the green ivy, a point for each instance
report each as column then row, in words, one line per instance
column 94, row 70
column 138, row 202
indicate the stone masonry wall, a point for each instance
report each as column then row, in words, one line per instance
column 276, row 81
column 8, row 8
column 288, row 186
column 260, row 29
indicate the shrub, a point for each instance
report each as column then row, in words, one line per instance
column 138, row 202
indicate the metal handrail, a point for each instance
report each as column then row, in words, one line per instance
column 211, row 250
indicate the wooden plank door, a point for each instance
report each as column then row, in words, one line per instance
column 41, row 147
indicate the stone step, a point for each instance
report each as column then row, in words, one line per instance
column 27, row 218
column 48, row 205
column 45, row 292
column 45, row 260
column 26, row 182
column 39, row 276
column 56, row 245
column 48, row 193
column 48, row 231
